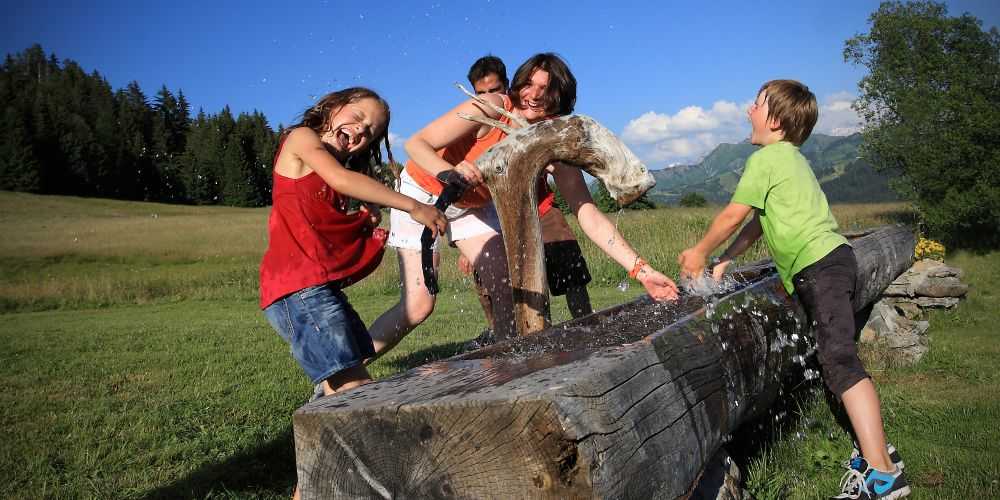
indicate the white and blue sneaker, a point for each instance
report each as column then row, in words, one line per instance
column 862, row 482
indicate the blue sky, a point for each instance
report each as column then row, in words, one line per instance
column 672, row 78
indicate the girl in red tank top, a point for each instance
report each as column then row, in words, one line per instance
column 316, row 246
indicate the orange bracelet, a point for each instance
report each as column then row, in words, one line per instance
column 637, row 267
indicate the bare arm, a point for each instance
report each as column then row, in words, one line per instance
column 307, row 148
column 606, row 236
column 422, row 147
column 751, row 232
column 692, row 260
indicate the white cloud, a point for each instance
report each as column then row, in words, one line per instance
column 653, row 127
column 687, row 135
column 836, row 117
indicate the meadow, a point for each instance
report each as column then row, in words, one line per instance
column 136, row 364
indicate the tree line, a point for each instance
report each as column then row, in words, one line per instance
column 65, row 131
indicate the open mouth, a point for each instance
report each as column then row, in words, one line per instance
column 536, row 106
column 346, row 140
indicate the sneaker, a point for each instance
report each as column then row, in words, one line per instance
column 893, row 455
column 318, row 392
column 862, row 482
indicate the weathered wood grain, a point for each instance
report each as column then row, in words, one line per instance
column 629, row 402
column 511, row 169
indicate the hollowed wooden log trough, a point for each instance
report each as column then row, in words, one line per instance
column 629, row 402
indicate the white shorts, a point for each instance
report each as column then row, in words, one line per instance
column 404, row 232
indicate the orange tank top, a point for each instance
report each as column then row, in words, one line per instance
column 467, row 148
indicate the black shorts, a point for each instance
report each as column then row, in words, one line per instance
column 826, row 290
column 565, row 266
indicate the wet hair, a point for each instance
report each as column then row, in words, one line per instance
column 317, row 117
column 794, row 106
column 486, row 65
column 560, row 95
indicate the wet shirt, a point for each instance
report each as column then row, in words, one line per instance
column 795, row 217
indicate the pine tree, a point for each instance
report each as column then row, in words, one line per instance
column 19, row 169
column 134, row 164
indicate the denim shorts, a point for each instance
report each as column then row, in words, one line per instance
column 325, row 333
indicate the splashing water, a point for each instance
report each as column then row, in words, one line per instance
column 623, row 286
column 705, row 286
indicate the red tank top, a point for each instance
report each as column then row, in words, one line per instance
column 312, row 239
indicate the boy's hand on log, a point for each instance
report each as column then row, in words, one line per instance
column 719, row 269
column 692, row 263
column 430, row 217
column 658, row 286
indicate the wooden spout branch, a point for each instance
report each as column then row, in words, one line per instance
column 630, row 402
column 511, row 169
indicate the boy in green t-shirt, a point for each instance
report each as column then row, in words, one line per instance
column 815, row 263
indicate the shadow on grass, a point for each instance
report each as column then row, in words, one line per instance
column 267, row 471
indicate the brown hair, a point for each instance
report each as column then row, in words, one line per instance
column 317, row 117
column 560, row 96
column 486, row 65
column 794, row 106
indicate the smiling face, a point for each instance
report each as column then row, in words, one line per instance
column 534, row 103
column 354, row 126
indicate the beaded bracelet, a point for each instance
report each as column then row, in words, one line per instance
column 639, row 263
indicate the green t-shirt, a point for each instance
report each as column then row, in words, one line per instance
column 798, row 226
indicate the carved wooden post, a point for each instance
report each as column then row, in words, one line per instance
column 511, row 169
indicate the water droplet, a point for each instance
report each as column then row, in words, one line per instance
column 623, row 286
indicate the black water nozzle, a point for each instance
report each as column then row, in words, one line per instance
column 454, row 186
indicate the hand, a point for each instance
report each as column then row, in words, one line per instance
column 430, row 217
column 720, row 269
column 692, row 263
column 464, row 265
column 470, row 173
column 658, row 286
column 374, row 213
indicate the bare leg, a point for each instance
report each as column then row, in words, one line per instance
column 484, row 299
column 343, row 380
column 414, row 306
column 863, row 408
column 578, row 301
column 487, row 254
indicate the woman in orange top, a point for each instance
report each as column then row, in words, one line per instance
column 542, row 87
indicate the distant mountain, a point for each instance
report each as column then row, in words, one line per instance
column 845, row 177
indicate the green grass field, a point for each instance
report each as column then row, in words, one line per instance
column 136, row 363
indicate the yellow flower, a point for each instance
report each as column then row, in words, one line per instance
column 929, row 249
